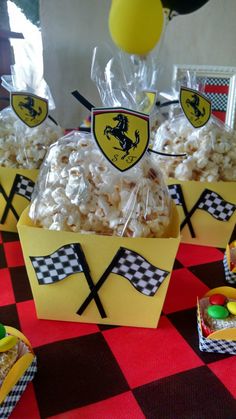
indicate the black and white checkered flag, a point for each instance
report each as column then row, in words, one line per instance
column 144, row 276
column 24, row 186
column 175, row 193
column 57, row 266
column 215, row 205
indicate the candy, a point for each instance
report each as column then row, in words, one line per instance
column 231, row 306
column 218, row 299
column 7, row 343
column 217, row 312
column 2, row 331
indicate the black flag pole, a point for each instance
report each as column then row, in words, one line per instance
column 9, row 205
column 190, row 213
column 82, row 100
column 184, row 206
column 91, row 285
column 99, row 284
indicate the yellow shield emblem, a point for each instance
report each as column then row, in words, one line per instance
column 31, row 109
column 121, row 134
column 196, row 107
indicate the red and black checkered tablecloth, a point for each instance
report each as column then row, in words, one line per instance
column 105, row 372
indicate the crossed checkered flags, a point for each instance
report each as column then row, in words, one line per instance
column 70, row 259
column 209, row 201
column 21, row 186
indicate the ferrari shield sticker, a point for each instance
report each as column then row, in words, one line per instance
column 196, row 107
column 121, row 134
column 31, row 109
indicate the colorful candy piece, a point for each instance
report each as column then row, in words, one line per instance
column 217, row 311
column 2, row 331
column 7, row 343
column 218, row 299
column 231, row 306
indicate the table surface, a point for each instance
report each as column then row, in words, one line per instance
column 111, row 372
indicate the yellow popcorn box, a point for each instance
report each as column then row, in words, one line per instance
column 207, row 211
column 92, row 278
column 20, row 374
column 223, row 340
column 16, row 187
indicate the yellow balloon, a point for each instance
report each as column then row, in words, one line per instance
column 136, row 25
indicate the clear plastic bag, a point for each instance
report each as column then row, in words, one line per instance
column 20, row 145
column 210, row 150
column 23, row 147
column 124, row 80
column 78, row 190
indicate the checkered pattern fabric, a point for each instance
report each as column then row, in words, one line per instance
column 12, row 398
column 230, row 277
column 218, row 101
column 24, row 187
column 217, row 91
column 216, row 206
column 217, row 81
column 145, row 277
column 174, row 191
column 213, row 345
column 57, row 266
column 103, row 371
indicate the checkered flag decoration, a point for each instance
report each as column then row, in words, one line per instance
column 175, row 193
column 24, row 187
column 216, row 206
column 12, row 398
column 230, row 277
column 144, row 276
column 57, row 266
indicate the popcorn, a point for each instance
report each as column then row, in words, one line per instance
column 7, row 360
column 78, row 190
column 211, row 150
column 23, row 147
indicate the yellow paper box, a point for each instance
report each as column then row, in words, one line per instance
column 206, row 210
column 16, row 186
column 21, row 373
column 122, row 302
column 224, row 340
